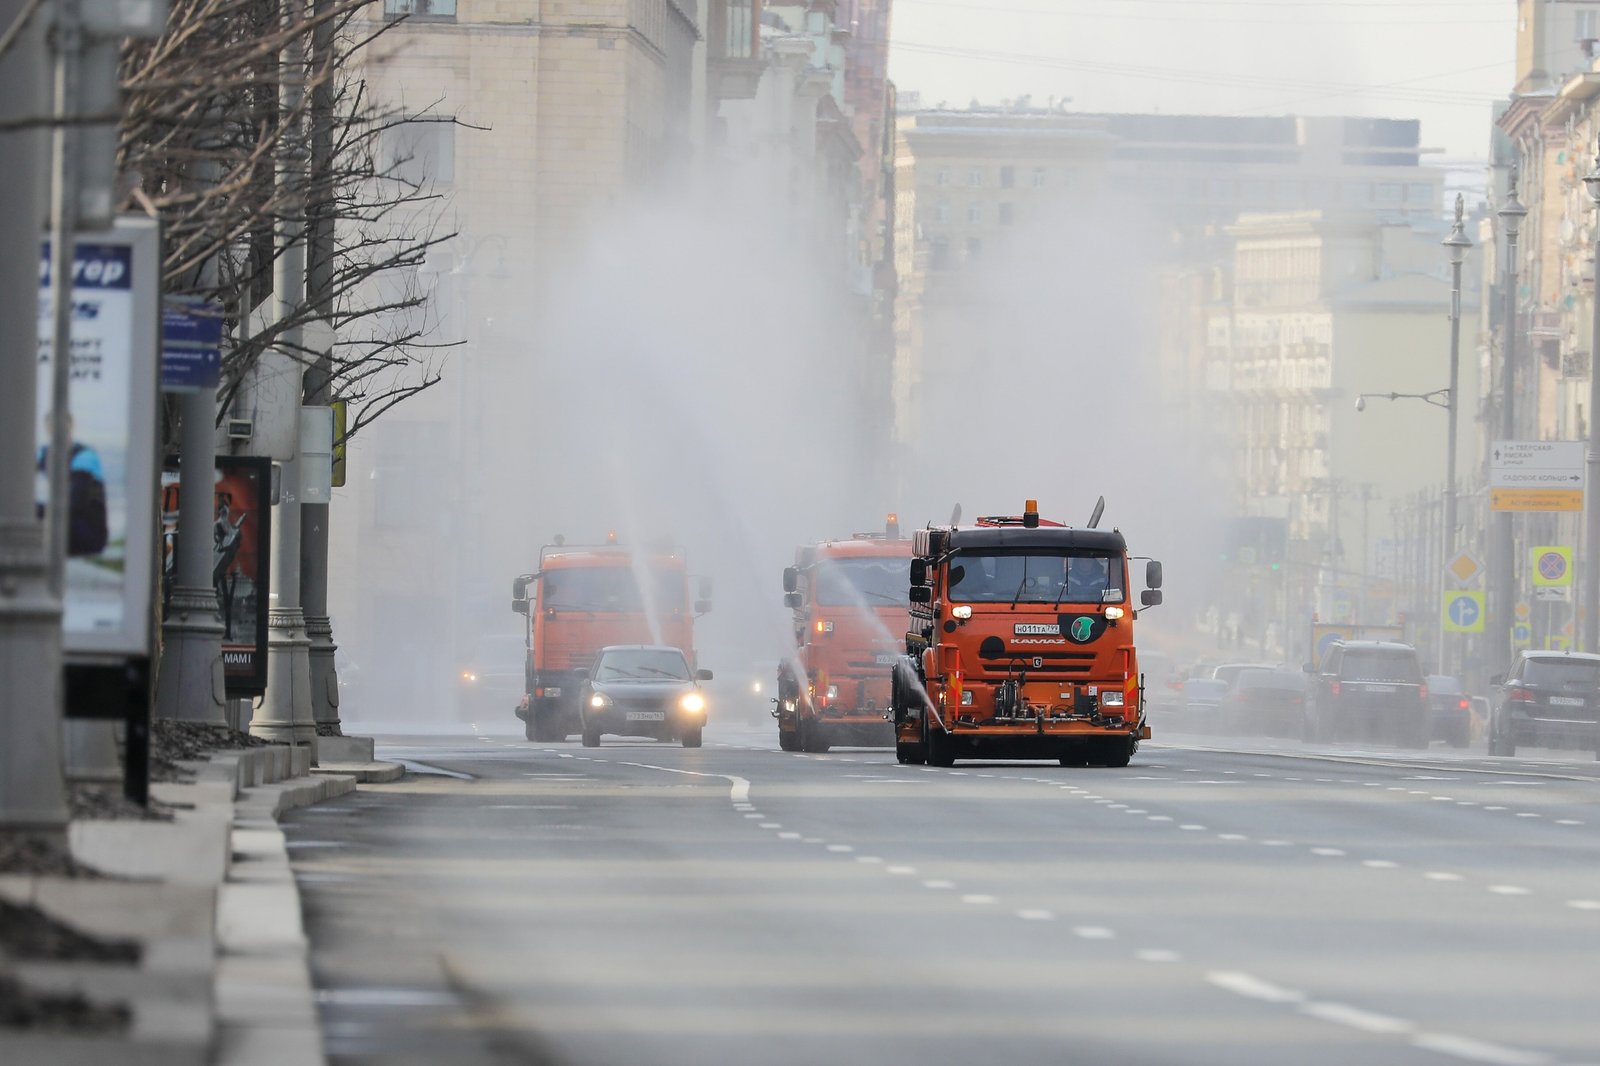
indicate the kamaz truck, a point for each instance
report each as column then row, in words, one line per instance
column 587, row 597
column 1021, row 645
column 849, row 604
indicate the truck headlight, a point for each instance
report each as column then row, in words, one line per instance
column 1111, row 698
column 833, row 692
column 966, row 697
column 692, row 702
column 598, row 700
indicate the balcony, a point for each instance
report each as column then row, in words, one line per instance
column 733, row 33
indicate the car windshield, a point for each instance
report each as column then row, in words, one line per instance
column 643, row 664
column 1272, row 679
column 1024, row 577
column 1570, row 673
column 1363, row 664
column 611, row 588
column 877, row 582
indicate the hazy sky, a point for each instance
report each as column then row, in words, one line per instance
column 1441, row 61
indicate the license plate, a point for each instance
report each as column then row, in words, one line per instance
column 1566, row 701
column 647, row 716
column 1380, row 688
column 886, row 660
column 552, row 692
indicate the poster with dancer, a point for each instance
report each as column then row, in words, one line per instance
column 241, row 546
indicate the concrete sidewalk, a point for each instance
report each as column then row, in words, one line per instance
column 210, row 897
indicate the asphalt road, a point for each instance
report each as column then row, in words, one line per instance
column 511, row 902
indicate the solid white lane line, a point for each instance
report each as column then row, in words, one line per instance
column 979, row 899
column 1093, row 932
column 1157, row 955
column 1355, row 1018
column 738, row 793
column 1509, row 890
column 1464, row 1047
column 1243, row 984
column 1036, row 915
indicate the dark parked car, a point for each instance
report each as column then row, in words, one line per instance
column 1550, row 698
column 1369, row 690
column 1452, row 711
column 643, row 690
column 1266, row 700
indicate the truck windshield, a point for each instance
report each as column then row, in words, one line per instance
column 881, row 582
column 642, row 664
column 1066, row 577
column 610, row 588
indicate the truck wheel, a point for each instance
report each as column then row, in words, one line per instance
column 545, row 727
column 811, row 737
column 1117, row 753
column 788, row 739
column 916, row 754
column 940, row 751
column 591, row 737
column 529, row 730
column 691, row 737
column 1078, row 756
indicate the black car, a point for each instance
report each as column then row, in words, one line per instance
column 1369, row 690
column 643, row 690
column 1550, row 698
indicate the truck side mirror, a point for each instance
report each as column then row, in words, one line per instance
column 519, row 606
column 921, row 594
column 919, row 571
column 519, row 587
column 702, row 675
column 791, row 579
column 702, row 606
column 792, row 600
column 1150, row 597
column 1152, row 575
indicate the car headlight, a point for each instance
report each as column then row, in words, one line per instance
column 468, row 676
column 692, row 702
column 599, row 700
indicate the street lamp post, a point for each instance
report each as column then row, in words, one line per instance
column 1457, row 245
column 1591, row 523
column 1503, row 574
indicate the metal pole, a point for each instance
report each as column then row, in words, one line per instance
column 1503, row 568
column 285, row 712
column 32, row 795
column 1589, row 627
column 314, row 518
column 1457, row 243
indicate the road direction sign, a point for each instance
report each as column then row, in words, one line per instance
column 1552, row 566
column 1462, row 611
column 1464, row 567
column 1536, row 475
column 1552, row 593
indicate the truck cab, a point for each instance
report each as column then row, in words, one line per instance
column 1021, row 645
column 848, row 598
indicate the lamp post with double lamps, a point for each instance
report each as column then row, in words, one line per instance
column 1503, row 566
column 1591, row 520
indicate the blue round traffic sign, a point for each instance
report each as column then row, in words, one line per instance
column 1463, row 611
column 1552, row 566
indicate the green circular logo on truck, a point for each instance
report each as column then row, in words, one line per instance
column 1082, row 629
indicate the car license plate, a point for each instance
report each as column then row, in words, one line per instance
column 1566, row 701
column 886, row 660
column 647, row 716
column 1380, row 688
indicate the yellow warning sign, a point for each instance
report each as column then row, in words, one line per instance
column 1536, row 499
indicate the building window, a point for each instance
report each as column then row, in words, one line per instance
column 1389, row 193
column 975, row 177
column 1356, row 193
column 419, row 152
column 941, row 254
column 942, row 178
column 419, row 9
column 975, row 213
column 1005, row 214
column 1420, row 193
column 1008, row 177
column 974, row 247
column 1038, row 177
column 941, row 212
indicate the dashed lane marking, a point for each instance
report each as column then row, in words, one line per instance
column 1379, row 864
column 938, row 884
column 903, row 871
column 841, row 848
column 1193, row 828
column 1463, row 1047
column 1232, row 836
column 1584, row 904
column 1510, row 890
column 1441, row 875
column 1157, row 955
column 1243, row 984
column 1356, row 1018
column 1036, row 915
column 868, row 858
column 979, row 899
column 1093, row 932
column 771, row 825
column 1332, row 853
column 789, row 835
